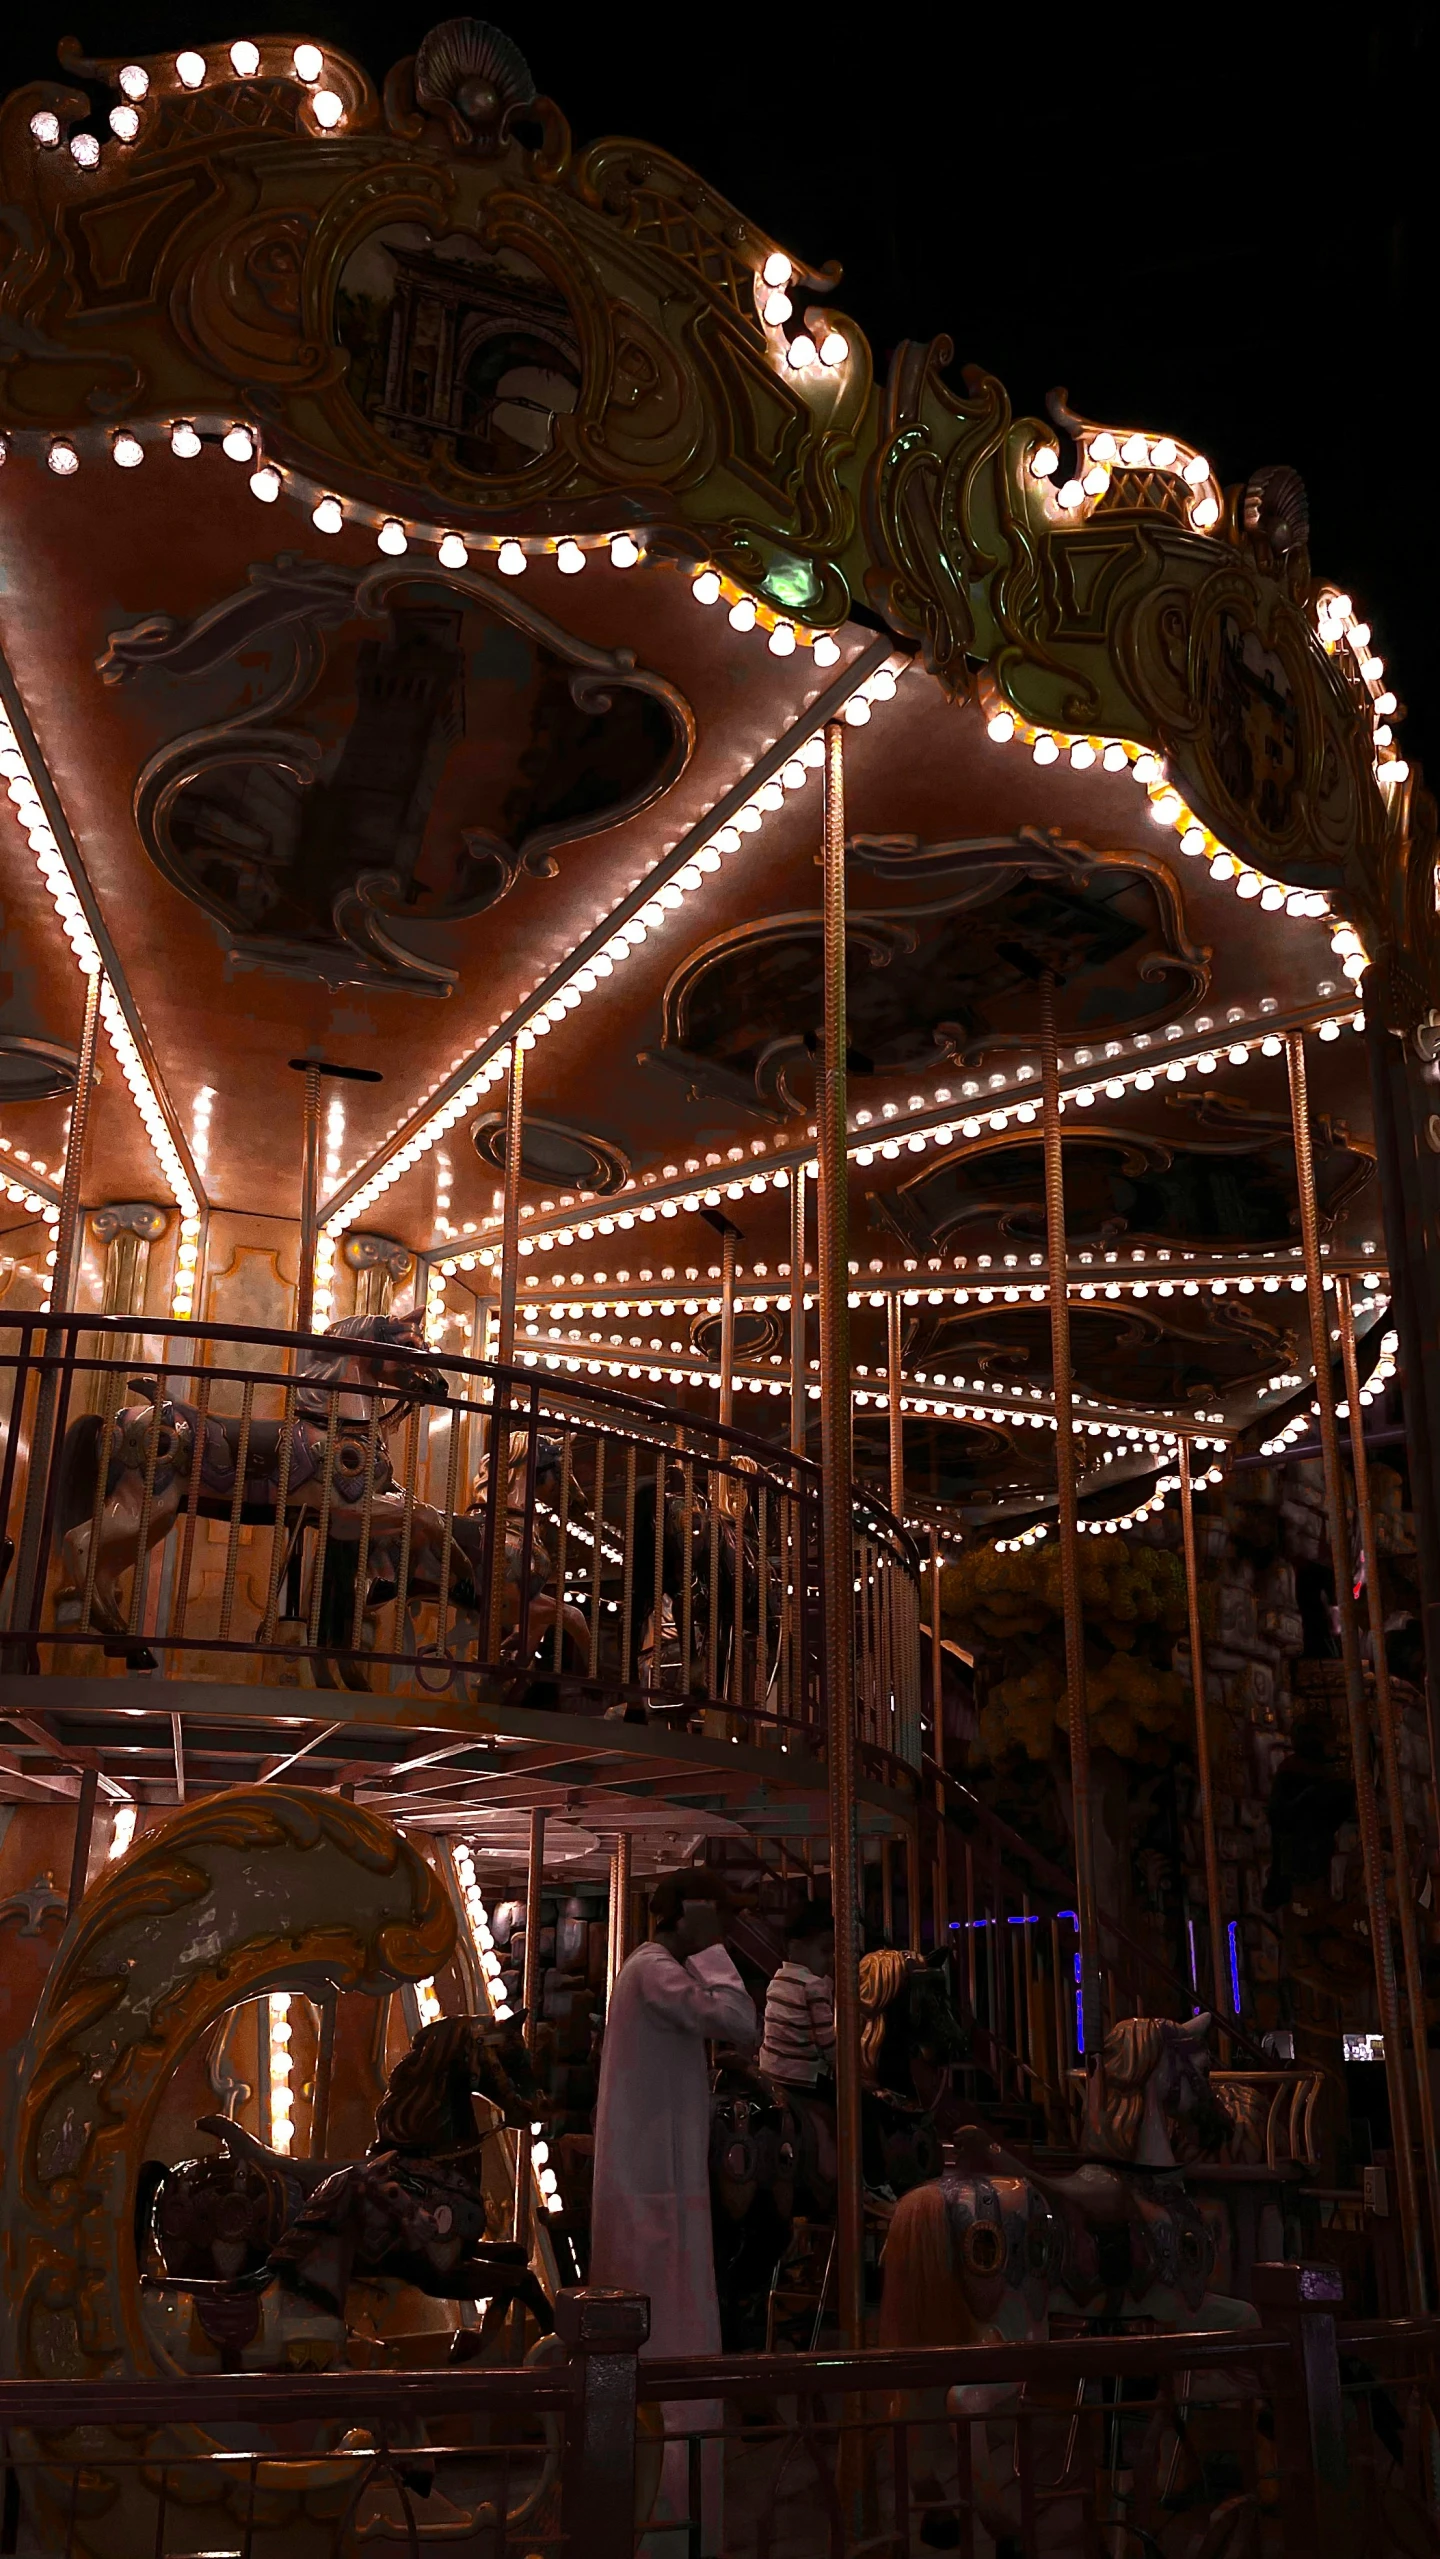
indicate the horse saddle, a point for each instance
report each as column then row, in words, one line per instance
column 1123, row 2230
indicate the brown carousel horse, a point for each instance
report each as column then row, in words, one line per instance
column 412, row 2209
column 367, row 1370
column 773, row 2153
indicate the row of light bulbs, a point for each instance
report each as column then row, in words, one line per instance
column 827, row 348
column 726, row 841
column 1339, row 626
column 24, row 796
column 192, row 70
column 1101, row 453
column 482, row 1938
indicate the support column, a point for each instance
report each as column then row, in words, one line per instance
column 1076, row 1707
column 728, row 1240
column 1367, row 1814
column 937, row 1652
column 1202, row 1738
column 530, row 2001
column 309, row 1203
column 67, row 1231
column 837, row 1569
column 797, row 1311
column 619, row 1907
column 895, row 1415
column 1390, row 1762
column 505, row 1338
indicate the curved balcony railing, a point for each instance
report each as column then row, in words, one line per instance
column 241, row 1505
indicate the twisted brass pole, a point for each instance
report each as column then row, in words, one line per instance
column 1390, row 1761
column 797, row 1311
column 1367, row 1813
column 530, row 2002
column 514, row 1147
column 309, row 1204
column 1202, row 1741
column 896, row 1416
column 1076, row 1707
column 837, row 1570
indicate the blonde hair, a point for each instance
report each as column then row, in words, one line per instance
column 922, row 2301
column 881, row 1977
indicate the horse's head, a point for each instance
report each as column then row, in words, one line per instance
column 381, row 1352
column 936, row 2034
column 1153, row 2084
column 501, row 2069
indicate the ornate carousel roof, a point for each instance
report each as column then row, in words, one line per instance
column 431, row 553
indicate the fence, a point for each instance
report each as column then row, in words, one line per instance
column 271, row 1500
column 1267, row 2443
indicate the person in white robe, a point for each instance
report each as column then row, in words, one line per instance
column 650, row 2212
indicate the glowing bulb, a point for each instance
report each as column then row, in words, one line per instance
column 834, row 348
column 244, row 58
column 127, row 450
column 1196, row 470
column 1193, row 840
column 184, row 442
column 84, row 150
column 857, row 711
column 1164, row 454
column 706, row 587
column 190, row 68
column 124, row 123
column 308, row 61
column 63, row 458
column 392, row 538
column 1249, row 884
column 511, row 561
column 569, row 559
column 1044, row 462
column 800, row 353
column 1114, row 758
column 328, row 110
column 777, row 268
column 1272, row 897
column 782, row 640
column 1045, row 750
column 827, row 650
column 265, row 484
column 624, row 554
column 1082, row 755
column 1166, row 810
column 328, row 516
column 1001, row 728
column 1206, row 513
column 1134, row 451
column 45, row 126
column 239, row 443
column 778, row 307
column 452, row 553
column 742, row 616
column 134, row 82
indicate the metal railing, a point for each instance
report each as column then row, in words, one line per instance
column 1265, row 2443
column 231, row 1503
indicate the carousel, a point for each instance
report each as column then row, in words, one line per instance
column 716, row 1105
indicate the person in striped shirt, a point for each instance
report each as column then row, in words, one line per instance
column 799, row 2041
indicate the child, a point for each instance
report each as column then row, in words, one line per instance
column 800, row 2004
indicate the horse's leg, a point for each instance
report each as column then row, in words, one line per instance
column 116, row 1548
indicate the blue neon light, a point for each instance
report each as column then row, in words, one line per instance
column 1234, row 1936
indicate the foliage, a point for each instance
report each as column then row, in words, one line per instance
column 1133, row 1601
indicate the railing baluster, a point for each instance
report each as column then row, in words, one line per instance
column 180, row 1600
column 597, row 1559
column 687, row 1588
column 322, row 1529
column 561, row 1540
column 657, row 1655
column 367, row 1512
column 452, row 1485
column 237, row 1504
column 280, row 1539
column 627, row 1586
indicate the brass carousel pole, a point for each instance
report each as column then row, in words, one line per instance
column 67, row 1230
column 505, row 1338
column 1202, row 1738
column 1078, row 1715
column 1390, row 1761
column 797, row 1311
column 896, row 1416
column 1367, row 1813
column 837, row 1570
column 729, row 1238
column 309, row 1203
column 529, row 2001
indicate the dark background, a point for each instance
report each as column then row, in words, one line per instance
column 1219, row 222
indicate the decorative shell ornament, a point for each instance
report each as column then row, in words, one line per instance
column 471, row 74
column 1275, row 509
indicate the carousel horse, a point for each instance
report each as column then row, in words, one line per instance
column 468, row 1535
column 773, row 2153
column 346, row 1382
column 412, row 2209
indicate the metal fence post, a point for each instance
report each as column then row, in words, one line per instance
column 1302, row 2301
column 604, row 2332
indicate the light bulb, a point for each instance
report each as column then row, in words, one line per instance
column 184, row 442
column 190, row 68
column 1196, row 470
column 452, row 553
column 244, row 58
column 1206, row 513
column 857, row 711
column 777, row 309
column 239, row 443
column 800, row 353
column 124, row 123
column 1045, row 750
column 62, row 458
column 569, row 559
column 1134, row 451
column 328, row 110
column 265, row 484
column 624, row 553
column 45, row 126
column 127, row 450
column 777, row 268
column 742, row 616
column 309, row 61
column 511, row 561
column 328, row 516
column 1114, row 758
column 392, row 538
column 1096, row 481
column 84, row 150
column 834, row 348
column 827, row 650
column 782, row 640
column 1001, row 728
column 133, row 81
column 1193, row 840
column 1082, row 755
column 1044, row 462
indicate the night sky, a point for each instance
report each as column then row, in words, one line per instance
column 1220, row 223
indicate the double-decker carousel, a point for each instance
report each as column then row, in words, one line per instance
column 692, row 1044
